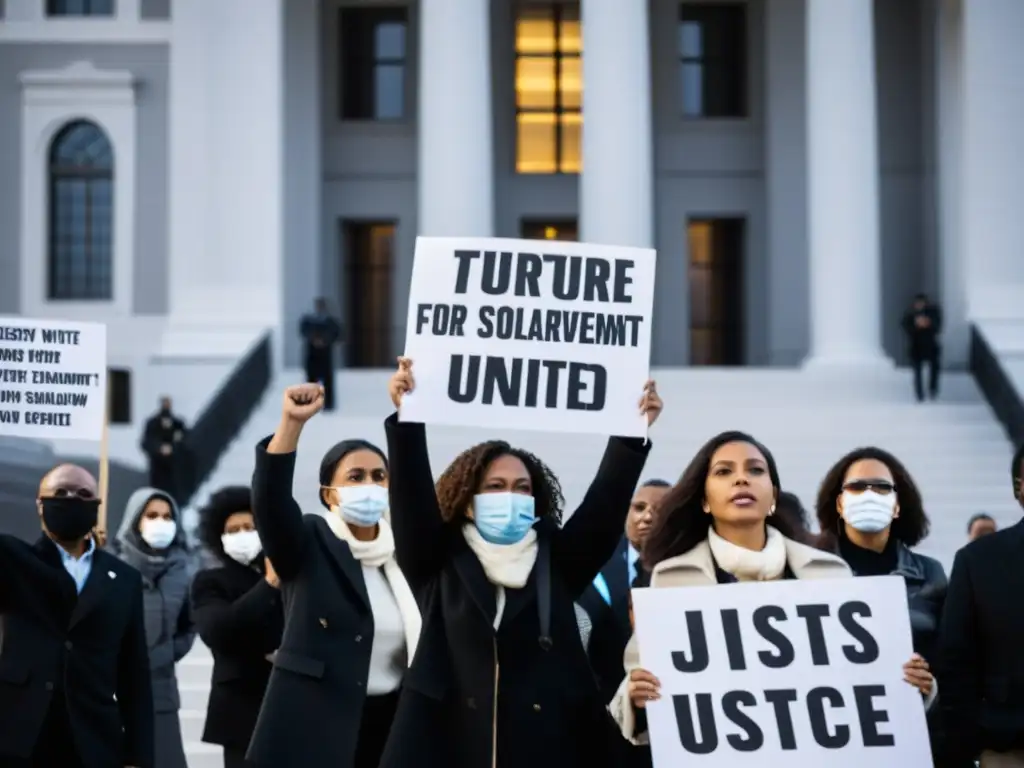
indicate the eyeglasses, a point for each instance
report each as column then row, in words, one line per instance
column 878, row 486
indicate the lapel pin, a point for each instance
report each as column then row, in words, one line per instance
column 111, row 574
column 323, row 623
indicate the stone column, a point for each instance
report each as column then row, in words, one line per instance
column 455, row 120
column 616, row 184
column 226, row 162
column 843, row 185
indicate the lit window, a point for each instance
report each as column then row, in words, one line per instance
column 549, row 89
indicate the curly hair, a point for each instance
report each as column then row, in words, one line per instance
column 911, row 525
column 221, row 505
column 460, row 482
column 680, row 522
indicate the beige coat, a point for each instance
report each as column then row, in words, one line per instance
column 696, row 568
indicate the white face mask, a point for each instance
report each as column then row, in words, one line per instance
column 362, row 505
column 157, row 532
column 242, row 546
column 869, row 512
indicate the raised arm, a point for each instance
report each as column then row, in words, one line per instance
column 278, row 516
column 250, row 623
column 957, row 664
column 587, row 541
column 415, row 515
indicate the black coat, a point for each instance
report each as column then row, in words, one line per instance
column 313, row 707
column 474, row 698
column 610, row 627
column 88, row 648
column 240, row 618
column 978, row 661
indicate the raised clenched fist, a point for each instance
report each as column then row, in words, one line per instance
column 401, row 381
column 302, row 402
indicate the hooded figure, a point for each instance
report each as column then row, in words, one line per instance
column 151, row 540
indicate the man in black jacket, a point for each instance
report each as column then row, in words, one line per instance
column 74, row 669
column 979, row 663
column 923, row 323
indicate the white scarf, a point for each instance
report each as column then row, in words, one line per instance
column 506, row 565
column 380, row 553
column 746, row 564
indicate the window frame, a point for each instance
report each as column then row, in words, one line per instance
column 558, row 110
column 736, row 67
column 363, row 98
column 57, row 264
column 57, row 9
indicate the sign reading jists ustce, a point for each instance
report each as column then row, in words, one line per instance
column 794, row 673
column 53, row 381
column 523, row 334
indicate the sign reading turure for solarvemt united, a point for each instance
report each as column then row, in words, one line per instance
column 53, row 379
column 525, row 334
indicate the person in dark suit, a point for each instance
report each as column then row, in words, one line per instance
column 922, row 324
column 237, row 609
column 351, row 620
column 75, row 687
column 501, row 678
column 979, row 659
column 320, row 332
column 163, row 442
column 606, row 600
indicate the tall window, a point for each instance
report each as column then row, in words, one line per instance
column 373, row 63
column 713, row 59
column 81, row 214
column 562, row 229
column 80, row 7
column 716, row 278
column 549, row 88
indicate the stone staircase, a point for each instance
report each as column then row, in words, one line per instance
column 956, row 451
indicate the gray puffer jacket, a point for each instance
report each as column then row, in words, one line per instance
column 166, row 578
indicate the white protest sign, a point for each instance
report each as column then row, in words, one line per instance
column 53, row 379
column 796, row 673
column 524, row 334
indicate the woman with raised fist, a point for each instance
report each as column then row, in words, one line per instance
column 501, row 678
column 351, row 621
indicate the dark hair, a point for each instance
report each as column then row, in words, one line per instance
column 977, row 518
column 680, row 522
column 336, row 454
column 911, row 525
column 656, row 482
column 920, row 296
column 1015, row 470
column 458, row 484
column 219, row 507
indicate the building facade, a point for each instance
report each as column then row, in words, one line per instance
column 187, row 169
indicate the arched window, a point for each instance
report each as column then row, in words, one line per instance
column 81, row 214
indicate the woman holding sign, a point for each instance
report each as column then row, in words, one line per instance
column 870, row 512
column 717, row 525
column 501, row 678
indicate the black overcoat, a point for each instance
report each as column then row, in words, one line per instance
column 240, row 618
column 476, row 698
column 313, row 706
column 89, row 648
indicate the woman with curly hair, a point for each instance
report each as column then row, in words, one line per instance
column 236, row 606
column 501, row 679
column 351, row 620
column 717, row 525
column 870, row 512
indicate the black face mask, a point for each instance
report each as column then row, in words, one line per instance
column 70, row 518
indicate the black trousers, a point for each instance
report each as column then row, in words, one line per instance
column 235, row 758
column 55, row 745
column 919, row 362
column 320, row 370
column 378, row 714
